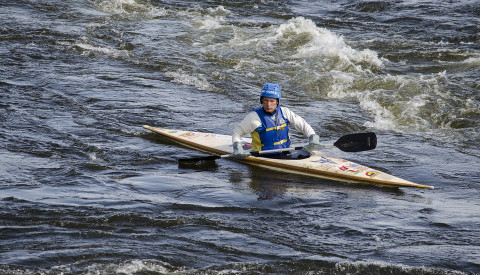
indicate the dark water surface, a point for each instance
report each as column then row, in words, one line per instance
column 85, row 189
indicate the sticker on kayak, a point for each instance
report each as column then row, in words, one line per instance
column 326, row 160
column 189, row 135
column 214, row 137
column 371, row 174
column 352, row 168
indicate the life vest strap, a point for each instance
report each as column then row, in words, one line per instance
column 280, row 142
column 279, row 127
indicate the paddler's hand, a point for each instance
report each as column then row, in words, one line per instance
column 313, row 142
column 238, row 152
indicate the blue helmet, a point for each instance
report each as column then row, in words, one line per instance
column 271, row 90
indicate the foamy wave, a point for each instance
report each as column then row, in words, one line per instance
column 320, row 42
column 383, row 118
column 127, row 267
column 219, row 11
column 198, row 81
column 121, row 6
column 88, row 49
column 380, row 267
column 472, row 61
column 404, row 113
column 210, row 23
column 129, row 7
column 138, row 266
column 214, row 19
column 416, row 102
column 300, row 40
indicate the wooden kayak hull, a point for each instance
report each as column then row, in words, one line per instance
column 318, row 165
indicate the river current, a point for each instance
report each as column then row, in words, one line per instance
column 84, row 189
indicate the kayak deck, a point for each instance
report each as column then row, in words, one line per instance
column 318, row 165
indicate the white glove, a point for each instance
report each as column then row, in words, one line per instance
column 238, row 152
column 313, row 143
column 314, row 140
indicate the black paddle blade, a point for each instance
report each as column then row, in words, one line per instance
column 357, row 142
column 191, row 160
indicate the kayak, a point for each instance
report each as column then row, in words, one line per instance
column 315, row 163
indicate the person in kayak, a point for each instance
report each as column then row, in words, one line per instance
column 269, row 124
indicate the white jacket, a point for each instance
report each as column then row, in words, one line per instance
column 252, row 121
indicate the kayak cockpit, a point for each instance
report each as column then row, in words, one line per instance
column 293, row 155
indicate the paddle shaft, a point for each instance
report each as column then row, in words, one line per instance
column 348, row 143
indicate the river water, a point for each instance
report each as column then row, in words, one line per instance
column 85, row 189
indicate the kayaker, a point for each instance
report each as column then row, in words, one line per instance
column 269, row 124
